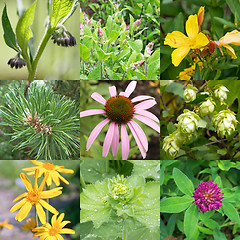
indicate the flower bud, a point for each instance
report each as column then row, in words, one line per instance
column 188, row 122
column 207, row 107
column 170, row 146
column 189, row 95
column 17, row 61
column 100, row 36
column 221, row 93
column 136, row 24
column 137, row 64
column 148, row 50
column 224, row 123
column 64, row 38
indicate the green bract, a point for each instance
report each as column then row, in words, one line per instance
column 221, row 93
column 44, row 124
column 207, row 107
column 189, row 95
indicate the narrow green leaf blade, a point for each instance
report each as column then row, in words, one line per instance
column 23, row 30
column 175, row 204
column 231, row 212
column 60, row 9
column 9, row 35
column 190, row 220
column 84, row 52
column 183, row 182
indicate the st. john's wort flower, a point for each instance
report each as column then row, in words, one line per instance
column 207, row 196
column 120, row 111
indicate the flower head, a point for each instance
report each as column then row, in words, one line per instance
column 52, row 170
column 207, row 107
column 34, row 197
column 207, row 196
column 183, row 43
column 221, row 93
column 189, row 95
column 148, row 49
column 5, row 224
column 120, row 111
column 29, row 225
column 52, row 231
column 17, row 61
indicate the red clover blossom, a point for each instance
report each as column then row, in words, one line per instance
column 207, row 196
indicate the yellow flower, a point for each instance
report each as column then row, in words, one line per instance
column 230, row 38
column 34, row 197
column 5, row 224
column 200, row 16
column 52, row 232
column 50, row 168
column 186, row 74
column 183, row 43
column 29, row 225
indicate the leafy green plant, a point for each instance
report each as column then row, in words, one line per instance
column 120, row 207
column 44, row 124
column 59, row 11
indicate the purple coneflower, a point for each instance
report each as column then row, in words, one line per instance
column 207, row 196
column 120, row 111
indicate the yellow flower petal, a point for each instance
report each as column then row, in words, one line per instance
column 64, row 223
column 59, row 237
column 67, row 231
column 200, row 15
column 176, row 39
column 192, row 28
column 230, row 38
column 63, row 179
column 230, row 51
column 26, row 182
column 41, row 214
column 178, row 55
column 23, row 212
column 55, row 177
column 51, row 193
column 18, row 205
column 48, row 207
column 201, row 41
column 20, row 196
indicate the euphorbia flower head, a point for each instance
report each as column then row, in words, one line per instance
column 183, row 43
column 120, row 111
column 207, row 196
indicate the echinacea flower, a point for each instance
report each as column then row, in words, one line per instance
column 34, row 197
column 207, row 196
column 120, row 111
column 29, row 225
column 183, row 43
column 53, row 170
column 52, row 231
column 5, row 224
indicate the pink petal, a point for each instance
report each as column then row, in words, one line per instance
column 91, row 112
column 125, row 142
column 148, row 122
column 130, row 88
column 147, row 114
column 108, row 139
column 145, row 105
column 96, row 96
column 115, row 141
column 140, row 98
column 113, row 91
column 95, row 132
column 139, row 136
column 121, row 94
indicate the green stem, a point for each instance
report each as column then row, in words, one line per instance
column 124, row 235
column 39, row 52
column 47, row 212
column 118, row 165
column 82, row 180
column 107, row 166
column 101, row 71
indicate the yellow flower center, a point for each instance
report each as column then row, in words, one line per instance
column 48, row 166
column 33, row 197
column 53, row 231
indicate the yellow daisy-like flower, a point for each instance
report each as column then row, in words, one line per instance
column 34, row 197
column 5, row 224
column 53, row 170
column 52, row 232
column 29, row 225
column 183, row 43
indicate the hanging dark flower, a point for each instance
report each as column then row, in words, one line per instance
column 62, row 37
column 207, row 196
column 17, row 61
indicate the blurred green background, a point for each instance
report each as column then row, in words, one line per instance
column 56, row 62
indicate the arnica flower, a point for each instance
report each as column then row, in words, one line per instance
column 184, row 44
column 29, row 225
column 5, row 224
column 207, row 196
column 52, row 231
column 34, row 197
column 52, row 170
column 120, row 111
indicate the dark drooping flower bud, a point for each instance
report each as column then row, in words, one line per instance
column 62, row 37
column 17, row 61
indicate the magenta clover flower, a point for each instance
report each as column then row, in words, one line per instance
column 207, row 196
column 119, row 110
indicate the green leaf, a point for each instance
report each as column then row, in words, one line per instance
column 183, row 182
column 153, row 65
column 137, row 45
column 231, row 212
column 197, row 75
column 190, row 220
column 234, row 6
column 59, row 10
column 92, row 206
column 74, row 7
column 175, row 204
column 102, row 56
column 84, row 53
column 219, row 235
column 9, row 35
column 113, row 36
column 23, row 30
column 224, row 22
